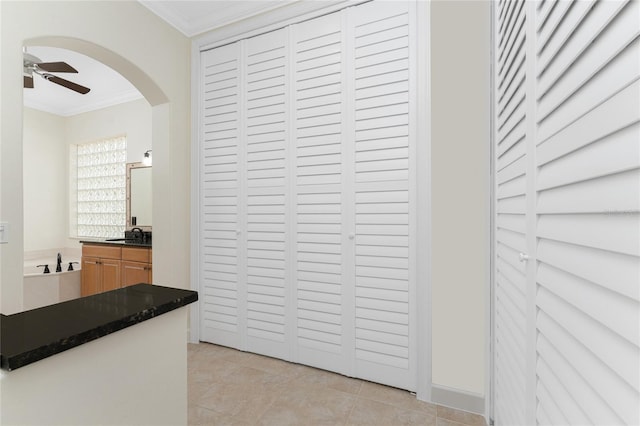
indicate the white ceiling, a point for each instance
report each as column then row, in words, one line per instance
column 107, row 86
column 195, row 17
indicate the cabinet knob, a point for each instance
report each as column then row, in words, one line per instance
column 352, row 236
column 523, row 257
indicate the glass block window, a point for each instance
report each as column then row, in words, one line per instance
column 101, row 180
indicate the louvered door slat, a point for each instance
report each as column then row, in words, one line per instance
column 603, row 13
column 599, row 76
column 220, row 182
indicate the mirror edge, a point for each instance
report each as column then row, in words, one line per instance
column 138, row 165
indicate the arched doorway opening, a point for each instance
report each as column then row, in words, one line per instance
column 157, row 128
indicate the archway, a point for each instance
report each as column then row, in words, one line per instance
column 149, row 89
column 157, row 99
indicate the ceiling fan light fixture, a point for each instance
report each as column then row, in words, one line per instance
column 32, row 64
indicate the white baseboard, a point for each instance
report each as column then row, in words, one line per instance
column 458, row 399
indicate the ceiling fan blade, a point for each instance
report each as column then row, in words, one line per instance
column 56, row 67
column 66, row 83
column 27, row 82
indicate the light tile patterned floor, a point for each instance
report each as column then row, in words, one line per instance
column 229, row 387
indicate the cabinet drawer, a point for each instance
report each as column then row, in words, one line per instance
column 136, row 254
column 104, row 252
column 135, row 273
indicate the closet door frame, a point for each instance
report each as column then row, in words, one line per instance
column 283, row 17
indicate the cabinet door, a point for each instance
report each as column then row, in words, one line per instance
column 110, row 271
column 90, row 276
column 135, row 273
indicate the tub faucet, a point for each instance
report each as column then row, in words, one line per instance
column 59, row 265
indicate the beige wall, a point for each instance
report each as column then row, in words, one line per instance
column 131, row 118
column 45, row 180
column 150, row 54
column 460, row 105
column 46, row 138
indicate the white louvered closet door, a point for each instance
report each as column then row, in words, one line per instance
column 308, row 222
column 221, row 262
column 587, row 159
column 585, row 272
column 510, row 177
column 266, row 138
column 322, row 262
column 383, row 157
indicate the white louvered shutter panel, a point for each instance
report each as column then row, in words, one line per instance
column 588, row 212
column 319, row 218
column 266, row 138
column 584, row 158
column 384, row 192
column 510, row 174
column 220, row 185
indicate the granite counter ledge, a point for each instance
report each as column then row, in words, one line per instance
column 118, row 243
column 116, row 358
column 30, row 336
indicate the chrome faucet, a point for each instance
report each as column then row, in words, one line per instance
column 59, row 265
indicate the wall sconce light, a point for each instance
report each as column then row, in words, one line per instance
column 147, row 159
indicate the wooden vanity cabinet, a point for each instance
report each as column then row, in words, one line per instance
column 106, row 268
column 100, row 269
column 136, row 266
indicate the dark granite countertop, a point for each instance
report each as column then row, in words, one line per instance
column 30, row 336
column 128, row 243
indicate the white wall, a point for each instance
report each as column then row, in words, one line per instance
column 149, row 53
column 460, row 105
column 45, row 180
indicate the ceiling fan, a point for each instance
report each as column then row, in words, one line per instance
column 33, row 65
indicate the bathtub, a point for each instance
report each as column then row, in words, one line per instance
column 40, row 289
